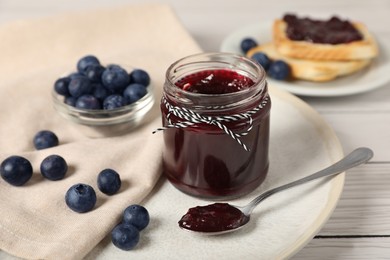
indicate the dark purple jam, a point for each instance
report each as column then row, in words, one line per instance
column 332, row 31
column 202, row 160
column 219, row 81
column 213, row 218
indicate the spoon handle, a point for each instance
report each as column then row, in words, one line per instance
column 355, row 158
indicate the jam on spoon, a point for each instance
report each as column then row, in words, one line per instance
column 215, row 217
column 220, row 218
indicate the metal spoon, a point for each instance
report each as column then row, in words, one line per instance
column 355, row 158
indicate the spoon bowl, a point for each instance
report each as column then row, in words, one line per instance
column 222, row 218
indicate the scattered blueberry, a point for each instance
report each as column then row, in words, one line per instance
column 115, row 78
column 88, row 102
column 279, row 70
column 125, row 237
column 80, row 198
column 113, row 101
column 94, row 72
column 86, row 61
column 140, row 76
column 137, row 216
column 45, row 139
column 109, row 181
column 79, row 85
column 134, row 92
column 54, row 167
column 262, row 59
column 61, row 86
column 16, row 170
column 247, row 44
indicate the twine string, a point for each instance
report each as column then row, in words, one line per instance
column 191, row 118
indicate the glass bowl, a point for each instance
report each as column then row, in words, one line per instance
column 103, row 123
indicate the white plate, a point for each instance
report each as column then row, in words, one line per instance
column 372, row 77
column 301, row 143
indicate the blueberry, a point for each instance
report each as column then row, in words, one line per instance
column 45, row 139
column 262, row 59
column 113, row 101
column 247, row 44
column 71, row 101
column 80, row 198
column 88, row 102
column 94, row 72
column 140, row 76
column 16, row 170
column 86, row 61
column 109, row 181
column 79, row 85
column 54, row 167
column 137, row 216
column 75, row 75
column 134, row 92
column 115, row 78
column 100, row 92
column 279, row 70
column 125, row 237
column 61, row 86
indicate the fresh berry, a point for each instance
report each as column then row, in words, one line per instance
column 80, row 198
column 94, row 72
column 109, row 181
column 45, row 139
column 71, row 101
column 125, row 237
column 100, row 92
column 137, row 216
column 88, row 102
column 279, row 70
column 16, row 170
column 79, row 85
column 115, row 78
column 54, row 167
column 140, row 76
column 262, row 59
column 134, row 92
column 113, row 101
column 93, row 79
column 86, row 61
column 61, row 86
column 75, row 75
column 247, row 44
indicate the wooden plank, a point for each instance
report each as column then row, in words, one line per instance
column 363, row 129
column 346, row 248
column 364, row 206
column 373, row 101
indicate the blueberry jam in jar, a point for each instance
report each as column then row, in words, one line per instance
column 216, row 112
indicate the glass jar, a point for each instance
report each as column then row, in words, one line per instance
column 215, row 112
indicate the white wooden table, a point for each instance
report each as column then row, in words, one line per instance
column 360, row 226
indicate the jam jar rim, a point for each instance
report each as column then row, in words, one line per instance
column 259, row 86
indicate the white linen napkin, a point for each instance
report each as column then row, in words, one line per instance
column 35, row 222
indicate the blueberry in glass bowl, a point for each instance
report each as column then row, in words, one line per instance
column 96, row 97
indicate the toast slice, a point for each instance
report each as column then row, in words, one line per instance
column 312, row 70
column 363, row 49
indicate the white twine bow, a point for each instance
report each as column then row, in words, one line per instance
column 190, row 118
